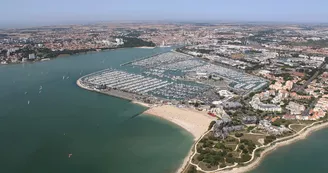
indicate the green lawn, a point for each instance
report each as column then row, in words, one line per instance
column 253, row 138
column 297, row 127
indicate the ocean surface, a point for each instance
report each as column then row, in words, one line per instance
column 305, row 156
column 39, row 128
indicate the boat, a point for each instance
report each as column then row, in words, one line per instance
column 63, row 77
column 25, row 93
column 28, row 102
column 70, row 155
column 40, row 88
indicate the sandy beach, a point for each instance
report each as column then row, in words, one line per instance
column 141, row 103
column 78, row 83
column 196, row 123
column 193, row 121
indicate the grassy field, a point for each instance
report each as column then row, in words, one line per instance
column 254, row 138
column 207, row 167
column 297, row 127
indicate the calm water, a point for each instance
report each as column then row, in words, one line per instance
column 96, row 129
column 306, row 156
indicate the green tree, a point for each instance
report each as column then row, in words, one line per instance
column 238, row 135
column 211, row 125
column 223, row 165
column 192, row 169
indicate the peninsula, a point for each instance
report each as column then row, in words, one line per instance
column 238, row 107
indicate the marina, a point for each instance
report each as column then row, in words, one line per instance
column 178, row 66
column 135, row 86
column 238, row 80
column 157, row 61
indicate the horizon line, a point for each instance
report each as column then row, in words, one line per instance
column 163, row 21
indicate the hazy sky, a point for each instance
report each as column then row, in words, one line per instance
column 36, row 12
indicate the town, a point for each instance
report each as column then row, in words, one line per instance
column 263, row 84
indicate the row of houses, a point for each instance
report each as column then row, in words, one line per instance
column 258, row 105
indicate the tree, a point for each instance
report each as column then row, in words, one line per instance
column 200, row 157
column 192, row 169
column 211, row 125
column 245, row 157
column 238, row 135
column 136, row 42
column 223, row 165
column 269, row 139
column 250, row 128
column 230, row 160
column 241, row 147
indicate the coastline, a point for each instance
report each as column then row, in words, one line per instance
column 305, row 132
column 146, row 47
column 196, row 123
column 67, row 55
column 141, row 103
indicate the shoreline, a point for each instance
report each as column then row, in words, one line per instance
column 302, row 136
column 67, row 55
column 305, row 132
column 192, row 121
column 196, row 123
column 172, row 118
column 177, row 116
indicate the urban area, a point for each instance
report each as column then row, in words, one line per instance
column 261, row 84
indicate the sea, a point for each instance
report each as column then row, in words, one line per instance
column 304, row 156
column 50, row 125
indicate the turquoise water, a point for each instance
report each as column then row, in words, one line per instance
column 305, row 156
column 64, row 119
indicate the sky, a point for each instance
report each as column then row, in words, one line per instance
column 46, row 12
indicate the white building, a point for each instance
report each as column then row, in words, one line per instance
column 295, row 108
column 119, row 41
column 31, row 56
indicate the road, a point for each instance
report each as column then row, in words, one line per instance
column 301, row 88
